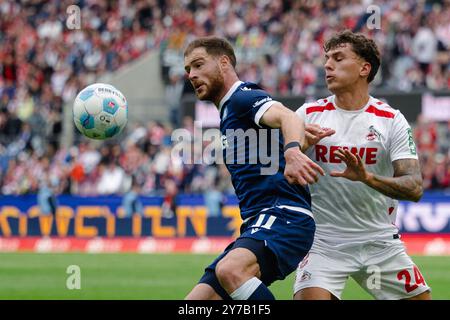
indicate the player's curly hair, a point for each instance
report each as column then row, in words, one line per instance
column 214, row 46
column 364, row 47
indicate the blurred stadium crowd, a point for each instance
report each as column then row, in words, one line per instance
column 43, row 65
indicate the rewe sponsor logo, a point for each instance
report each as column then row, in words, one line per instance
column 326, row 154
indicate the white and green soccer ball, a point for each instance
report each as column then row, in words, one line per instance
column 100, row 111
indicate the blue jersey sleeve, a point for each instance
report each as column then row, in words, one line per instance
column 251, row 103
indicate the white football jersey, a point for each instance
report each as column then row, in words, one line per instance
column 347, row 210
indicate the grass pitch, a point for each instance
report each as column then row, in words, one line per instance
column 149, row 276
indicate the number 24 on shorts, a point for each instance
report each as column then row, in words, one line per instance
column 407, row 276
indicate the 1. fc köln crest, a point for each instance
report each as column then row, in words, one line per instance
column 373, row 134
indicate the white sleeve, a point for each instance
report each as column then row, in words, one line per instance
column 262, row 110
column 402, row 144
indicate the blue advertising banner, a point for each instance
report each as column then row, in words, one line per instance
column 105, row 216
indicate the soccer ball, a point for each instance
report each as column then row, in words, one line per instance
column 100, row 111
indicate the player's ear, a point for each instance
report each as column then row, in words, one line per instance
column 365, row 69
column 224, row 61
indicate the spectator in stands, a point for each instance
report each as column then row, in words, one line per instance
column 424, row 47
column 426, row 135
column 131, row 202
column 112, row 178
column 170, row 198
column 46, row 197
column 441, row 173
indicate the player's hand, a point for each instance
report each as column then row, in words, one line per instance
column 300, row 169
column 314, row 133
column 355, row 171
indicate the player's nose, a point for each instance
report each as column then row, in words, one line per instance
column 192, row 75
column 328, row 64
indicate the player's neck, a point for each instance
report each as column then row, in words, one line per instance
column 228, row 82
column 351, row 100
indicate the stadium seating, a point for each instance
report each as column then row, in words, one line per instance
column 281, row 50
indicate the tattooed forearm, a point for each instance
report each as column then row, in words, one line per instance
column 406, row 183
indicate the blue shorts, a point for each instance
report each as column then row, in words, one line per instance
column 279, row 238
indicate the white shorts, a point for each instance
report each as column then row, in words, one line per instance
column 382, row 268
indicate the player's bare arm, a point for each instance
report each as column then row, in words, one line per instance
column 406, row 184
column 299, row 168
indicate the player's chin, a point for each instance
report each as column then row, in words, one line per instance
column 333, row 86
column 203, row 95
column 200, row 93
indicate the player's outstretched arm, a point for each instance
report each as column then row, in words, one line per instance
column 406, row 184
column 299, row 168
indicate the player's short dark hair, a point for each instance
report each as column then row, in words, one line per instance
column 214, row 46
column 364, row 47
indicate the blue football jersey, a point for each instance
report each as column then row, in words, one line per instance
column 253, row 153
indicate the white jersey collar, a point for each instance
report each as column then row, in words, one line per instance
column 333, row 100
column 229, row 93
